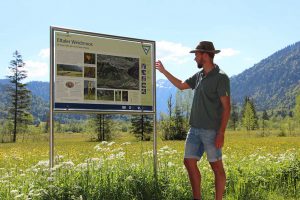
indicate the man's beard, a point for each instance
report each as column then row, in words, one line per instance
column 200, row 66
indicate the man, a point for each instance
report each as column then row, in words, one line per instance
column 209, row 116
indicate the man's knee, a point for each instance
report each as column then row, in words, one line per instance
column 190, row 162
column 217, row 167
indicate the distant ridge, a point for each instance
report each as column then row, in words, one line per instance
column 272, row 83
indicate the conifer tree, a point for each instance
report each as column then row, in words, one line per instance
column 18, row 110
column 179, row 129
column 249, row 119
column 264, row 118
column 142, row 126
column 102, row 127
column 234, row 117
column 297, row 111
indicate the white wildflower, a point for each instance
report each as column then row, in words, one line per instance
column 34, row 170
column 110, row 144
column 118, row 149
column 20, row 196
column 82, row 166
column 166, row 147
column 148, row 153
column 111, row 157
column 59, row 157
column 102, row 149
column 129, row 178
column 120, row 154
column 42, row 163
column 93, row 160
column 97, row 147
column 260, row 158
column 56, row 167
column 68, row 164
column 126, row 143
column 14, row 192
column 170, row 164
column 50, row 179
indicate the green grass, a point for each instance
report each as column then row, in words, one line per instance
column 256, row 168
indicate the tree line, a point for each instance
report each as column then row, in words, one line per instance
column 172, row 125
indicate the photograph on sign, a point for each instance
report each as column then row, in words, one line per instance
column 97, row 72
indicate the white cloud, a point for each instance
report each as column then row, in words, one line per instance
column 37, row 70
column 172, row 52
column 44, row 53
column 228, row 52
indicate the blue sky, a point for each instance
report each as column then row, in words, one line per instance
column 245, row 31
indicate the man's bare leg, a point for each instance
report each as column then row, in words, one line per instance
column 194, row 175
column 220, row 178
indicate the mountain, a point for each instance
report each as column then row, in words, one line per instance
column 4, row 82
column 163, row 90
column 3, row 97
column 40, row 89
column 40, row 99
column 272, row 83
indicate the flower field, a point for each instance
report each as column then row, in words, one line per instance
column 256, row 167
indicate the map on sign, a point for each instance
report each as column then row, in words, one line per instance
column 102, row 73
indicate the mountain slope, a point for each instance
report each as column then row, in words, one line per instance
column 273, row 82
column 39, row 88
column 163, row 91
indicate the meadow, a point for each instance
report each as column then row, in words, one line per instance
column 256, row 167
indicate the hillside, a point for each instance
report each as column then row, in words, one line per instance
column 273, row 82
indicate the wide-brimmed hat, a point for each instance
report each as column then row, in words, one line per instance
column 205, row 46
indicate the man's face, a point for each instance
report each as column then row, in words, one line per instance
column 199, row 59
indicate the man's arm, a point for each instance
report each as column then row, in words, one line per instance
column 175, row 81
column 225, row 101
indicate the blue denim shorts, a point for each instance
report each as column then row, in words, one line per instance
column 199, row 141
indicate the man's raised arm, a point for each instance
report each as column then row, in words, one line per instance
column 175, row 81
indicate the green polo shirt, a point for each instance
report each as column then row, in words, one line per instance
column 207, row 109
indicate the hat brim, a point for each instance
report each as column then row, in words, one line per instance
column 200, row 50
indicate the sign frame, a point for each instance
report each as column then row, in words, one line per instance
column 53, row 30
column 141, row 108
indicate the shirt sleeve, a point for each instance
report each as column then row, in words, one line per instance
column 192, row 81
column 223, row 86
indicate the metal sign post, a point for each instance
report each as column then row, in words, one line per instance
column 51, row 139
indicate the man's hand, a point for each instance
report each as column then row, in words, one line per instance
column 160, row 67
column 219, row 142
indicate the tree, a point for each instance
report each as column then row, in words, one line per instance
column 168, row 123
column 170, row 106
column 264, row 118
column 249, row 119
column 102, row 127
column 142, row 126
column 20, row 97
column 297, row 111
column 175, row 125
column 179, row 128
column 184, row 103
column 289, row 125
column 234, row 117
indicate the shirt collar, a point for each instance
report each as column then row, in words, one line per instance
column 215, row 70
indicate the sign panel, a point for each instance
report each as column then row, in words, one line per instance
column 102, row 73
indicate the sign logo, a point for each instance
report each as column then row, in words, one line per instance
column 146, row 48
